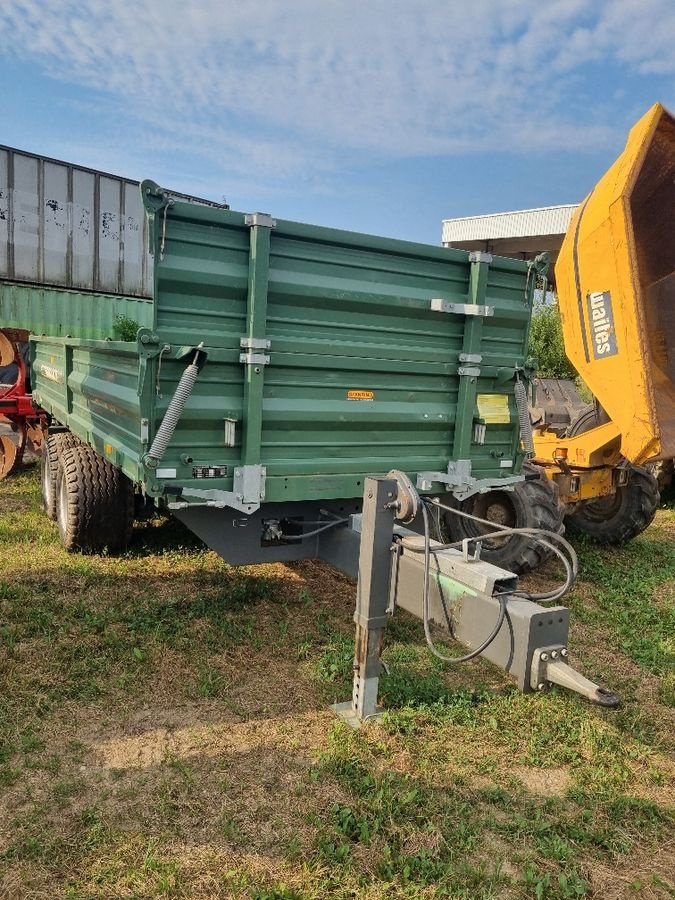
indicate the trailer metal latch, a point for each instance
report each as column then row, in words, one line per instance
column 461, row 309
column 252, row 343
column 254, row 359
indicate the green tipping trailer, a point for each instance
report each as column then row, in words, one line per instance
column 326, row 356
column 302, row 392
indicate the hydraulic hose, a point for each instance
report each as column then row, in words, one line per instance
column 549, row 539
column 308, row 534
column 425, row 608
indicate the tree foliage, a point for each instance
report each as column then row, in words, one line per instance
column 547, row 345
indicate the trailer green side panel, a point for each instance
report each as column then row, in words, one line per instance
column 328, row 355
column 92, row 387
column 59, row 312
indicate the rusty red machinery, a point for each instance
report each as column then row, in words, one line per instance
column 16, row 405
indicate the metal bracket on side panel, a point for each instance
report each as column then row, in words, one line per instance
column 213, row 498
column 461, row 309
column 254, row 359
column 264, row 220
column 473, row 371
column 251, row 344
column 461, row 482
column 479, row 256
column 248, row 493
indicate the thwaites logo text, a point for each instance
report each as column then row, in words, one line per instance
column 601, row 322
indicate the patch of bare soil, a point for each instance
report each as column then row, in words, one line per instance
column 549, row 782
column 650, row 876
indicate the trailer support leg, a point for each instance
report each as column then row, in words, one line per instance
column 372, row 598
column 464, row 598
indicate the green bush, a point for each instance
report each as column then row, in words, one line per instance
column 546, row 342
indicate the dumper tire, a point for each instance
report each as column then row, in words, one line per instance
column 94, row 502
column 52, row 448
column 623, row 515
column 533, row 503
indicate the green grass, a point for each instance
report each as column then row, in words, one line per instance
column 625, row 584
column 164, row 732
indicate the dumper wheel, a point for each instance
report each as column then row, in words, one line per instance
column 533, row 503
column 52, row 447
column 624, row 514
column 621, row 516
column 94, row 502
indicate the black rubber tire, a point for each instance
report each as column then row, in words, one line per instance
column 94, row 502
column 620, row 517
column 533, row 503
column 623, row 515
column 53, row 446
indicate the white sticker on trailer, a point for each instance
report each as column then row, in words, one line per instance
column 505, row 463
column 166, row 473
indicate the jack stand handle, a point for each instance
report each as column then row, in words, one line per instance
column 558, row 672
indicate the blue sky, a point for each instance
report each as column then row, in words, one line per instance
column 375, row 116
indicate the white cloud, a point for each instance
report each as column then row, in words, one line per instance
column 270, row 89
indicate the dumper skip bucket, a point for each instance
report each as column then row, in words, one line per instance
column 616, row 278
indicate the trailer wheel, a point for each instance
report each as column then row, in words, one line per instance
column 533, row 503
column 94, row 502
column 52, row 448
column 621, row 516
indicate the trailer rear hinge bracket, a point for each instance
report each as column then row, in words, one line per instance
column 461, row 309
column 470, row 358
column 263, row 220
column 468, row 370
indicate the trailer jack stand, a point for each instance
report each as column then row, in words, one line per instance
column 531, row 644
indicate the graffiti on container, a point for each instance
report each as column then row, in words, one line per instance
column 55, row 207
column 3, row 212
column 108, row 225
column 84, row 220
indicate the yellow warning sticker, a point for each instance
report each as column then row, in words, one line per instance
column 360, row 395
column 494, row 408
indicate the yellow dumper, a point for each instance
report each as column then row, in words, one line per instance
column 615, row 278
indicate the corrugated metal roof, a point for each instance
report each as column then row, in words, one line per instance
column 546, row 220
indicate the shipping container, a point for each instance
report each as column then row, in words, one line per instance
column 69, row 226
